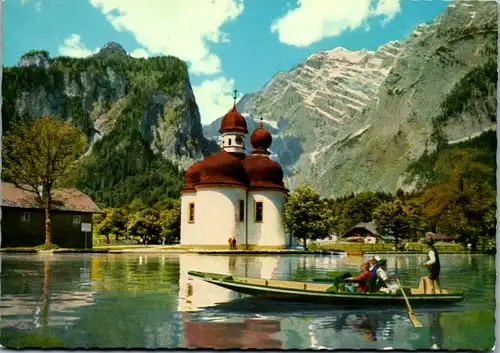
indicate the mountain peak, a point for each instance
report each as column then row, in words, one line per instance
column 112, row 48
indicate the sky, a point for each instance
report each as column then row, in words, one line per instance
column 227, row 44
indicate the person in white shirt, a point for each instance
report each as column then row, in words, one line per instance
column 432, row 263
column 386, row 283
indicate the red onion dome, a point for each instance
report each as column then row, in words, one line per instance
column 233, row 122
column 263, row 172
column 222, row 168
column 191, row 177
column 261, row 139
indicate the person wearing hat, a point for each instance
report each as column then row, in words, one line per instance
column 384, row 282
column 432, row 263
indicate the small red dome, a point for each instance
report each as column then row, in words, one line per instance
column 263, row 172
column 222, row 168
column 233, row 122
column 261, row 139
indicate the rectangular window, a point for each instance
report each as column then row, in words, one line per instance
column 242, row 210
column 259, row 210
column 77, row 219
column 191, row 212
column 25, row 216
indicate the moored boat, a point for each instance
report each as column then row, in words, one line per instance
column 326, row 293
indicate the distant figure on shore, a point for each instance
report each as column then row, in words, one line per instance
column 234, row 244
column 230, row 241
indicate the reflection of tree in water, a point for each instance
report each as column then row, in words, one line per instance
column 143, row 274
column 41, row 337
column 44, row 313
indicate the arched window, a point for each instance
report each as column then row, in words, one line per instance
column 229, row 142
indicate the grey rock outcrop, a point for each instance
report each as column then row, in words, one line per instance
column 37, row 58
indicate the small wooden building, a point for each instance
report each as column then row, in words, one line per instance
column 23, row 218
column 363, row 232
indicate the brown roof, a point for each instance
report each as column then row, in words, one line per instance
column 64, row 199
column 369, row 226
column 233, row 122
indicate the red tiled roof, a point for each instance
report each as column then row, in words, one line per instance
column 64, row 199
column 221, row 168
column 263, row 172
column 233, row 122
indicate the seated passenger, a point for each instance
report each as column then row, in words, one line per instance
column 384, row 282
column 373, row 265
column 362, row 278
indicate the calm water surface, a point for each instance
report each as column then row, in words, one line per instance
column 149, row 301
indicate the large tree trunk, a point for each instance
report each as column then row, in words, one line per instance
column 48, row 220
column 305, row 243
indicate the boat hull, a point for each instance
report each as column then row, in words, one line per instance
column 274, row 292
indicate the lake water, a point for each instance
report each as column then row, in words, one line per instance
column 149, row 301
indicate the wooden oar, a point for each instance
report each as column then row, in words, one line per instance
column 411, row 314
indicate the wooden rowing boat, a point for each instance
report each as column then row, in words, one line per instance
column 322, row 292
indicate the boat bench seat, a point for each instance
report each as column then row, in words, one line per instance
column 255, row 281
column 299, row 285
column 419, row 291
column 321, row 287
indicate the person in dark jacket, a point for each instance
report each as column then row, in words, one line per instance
column 432, row 263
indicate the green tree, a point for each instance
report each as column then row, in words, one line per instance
column 391, row 218
column 170, row 222
column 113, row 222
column 306, row 215
column 39, row 156
column 145, row 224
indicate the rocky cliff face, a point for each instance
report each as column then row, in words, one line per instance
column 317, row 103
column 424, row 100
column 93, row 92
column 142, row 111
column 348, row 121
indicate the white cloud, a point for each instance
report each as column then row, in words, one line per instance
column 175, row 27
column 314, row 20
column 388, row 9
column 74, row 47
column 38, row 6
column 139, row 53
column 214, row 98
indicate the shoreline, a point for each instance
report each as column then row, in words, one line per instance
column 173, row 250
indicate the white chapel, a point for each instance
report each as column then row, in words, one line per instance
column 230, row 194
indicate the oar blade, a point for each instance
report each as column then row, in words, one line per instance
column 414, row 320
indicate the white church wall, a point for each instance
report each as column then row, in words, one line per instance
column 270, row 232
column 188, row 230
column 217, row 216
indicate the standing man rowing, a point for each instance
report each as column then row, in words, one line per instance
column 432, row 263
